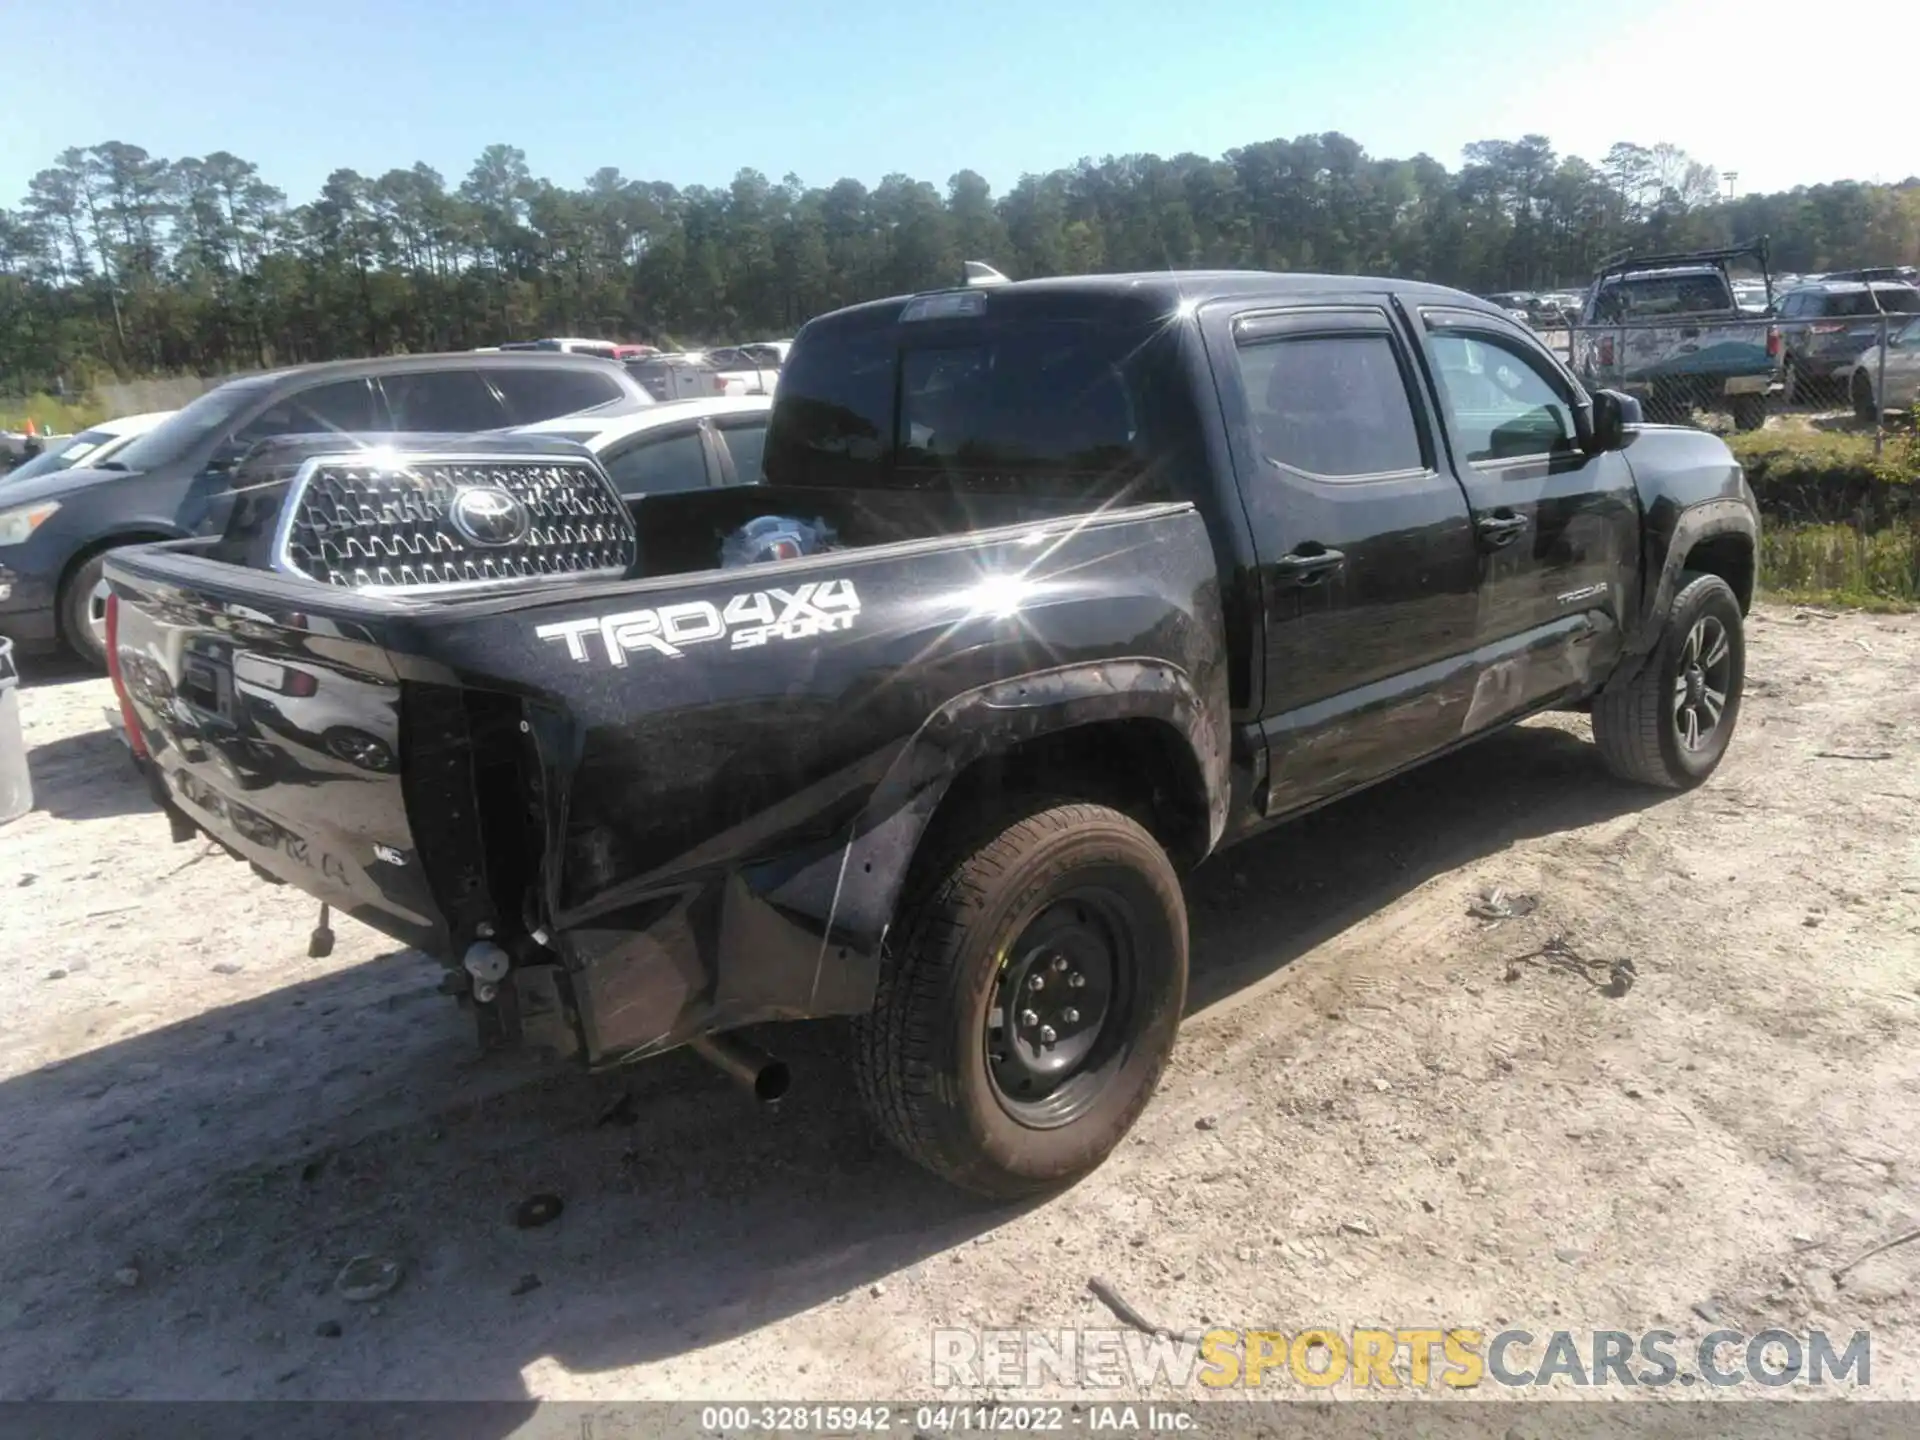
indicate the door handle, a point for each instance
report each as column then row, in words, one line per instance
column 1498, row 530
column 1309, row 567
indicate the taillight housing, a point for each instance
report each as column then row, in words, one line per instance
column 135, row 741
column 1606, row 350
column 1773, row 342
column 300, row 684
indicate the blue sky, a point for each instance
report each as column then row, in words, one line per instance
column 692, row 91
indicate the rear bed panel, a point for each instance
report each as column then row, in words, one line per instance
column 281, row 737
column 649, row 789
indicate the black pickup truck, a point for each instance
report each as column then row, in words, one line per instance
column 1116, row 571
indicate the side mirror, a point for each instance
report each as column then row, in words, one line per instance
column 1614, row 413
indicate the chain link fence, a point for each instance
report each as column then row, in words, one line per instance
column 1725, row 374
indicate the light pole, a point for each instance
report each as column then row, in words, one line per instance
column 1732, row 178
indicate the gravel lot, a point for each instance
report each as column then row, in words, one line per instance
column 1376, row 1115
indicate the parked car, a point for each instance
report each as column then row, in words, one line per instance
column 1557, row 310
column 1097, row 575
column 1902, row 274
column 1668, row 330
column 679, row 445
column 746, row 371
column 1825, row 328
column 605, row 349
column 1753, row 297
column 699, row 374
column 1517, row 304
column 56, row 530
column 95, row 445
column 1875, row 389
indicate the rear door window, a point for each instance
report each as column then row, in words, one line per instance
column 659, row 462
column 443, row 401
column 544, row 392
column 1334, row 406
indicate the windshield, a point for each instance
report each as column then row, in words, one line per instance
column 88, row 446
column 186, row 429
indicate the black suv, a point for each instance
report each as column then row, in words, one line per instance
column 55, row 531
column 1829, row 325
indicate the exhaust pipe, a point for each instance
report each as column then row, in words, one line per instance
column 747, row 1065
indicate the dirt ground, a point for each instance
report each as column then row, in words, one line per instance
column 1376, row 1115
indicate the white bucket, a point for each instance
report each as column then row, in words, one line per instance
column 16, row 784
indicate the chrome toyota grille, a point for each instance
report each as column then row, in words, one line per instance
column 390, row 523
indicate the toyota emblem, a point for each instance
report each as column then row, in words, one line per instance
column 487, row 515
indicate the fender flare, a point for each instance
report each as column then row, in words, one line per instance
column 869, row 871
column 1704, row 521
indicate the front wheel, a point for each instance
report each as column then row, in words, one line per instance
column 1022, row 1024
column 83, row 612
column 1864, row 406
column 1671, row 724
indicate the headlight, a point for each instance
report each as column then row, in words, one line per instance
column 17, row 525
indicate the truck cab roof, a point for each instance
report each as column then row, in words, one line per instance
column 1153, row 294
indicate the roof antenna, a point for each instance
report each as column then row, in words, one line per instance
column 981, row 273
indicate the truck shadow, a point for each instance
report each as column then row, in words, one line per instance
column 1258, row 906
column 86, row 777
column 53, row 668
column 237, row 1160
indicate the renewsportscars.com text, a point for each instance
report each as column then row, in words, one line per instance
column 1419, row 1357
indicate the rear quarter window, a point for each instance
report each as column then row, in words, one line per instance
column 1647, row 297
column 1017, row 404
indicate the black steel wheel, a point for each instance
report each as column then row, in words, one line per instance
column 1022, row 1022
column 1058, row 1023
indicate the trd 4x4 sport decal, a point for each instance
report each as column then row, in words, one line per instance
column 819, row 608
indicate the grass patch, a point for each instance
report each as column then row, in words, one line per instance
column 50, row 415
column 1829, row 477
column 1841, row 565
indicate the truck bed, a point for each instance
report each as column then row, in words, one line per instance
column 632, row 785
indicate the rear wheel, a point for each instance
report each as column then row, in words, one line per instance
column 1671, row 724
column 1749, row 412
column 1864, row 407
column 83, row 612
column 1023, row 1023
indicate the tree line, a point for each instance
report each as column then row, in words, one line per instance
column 118, row 263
